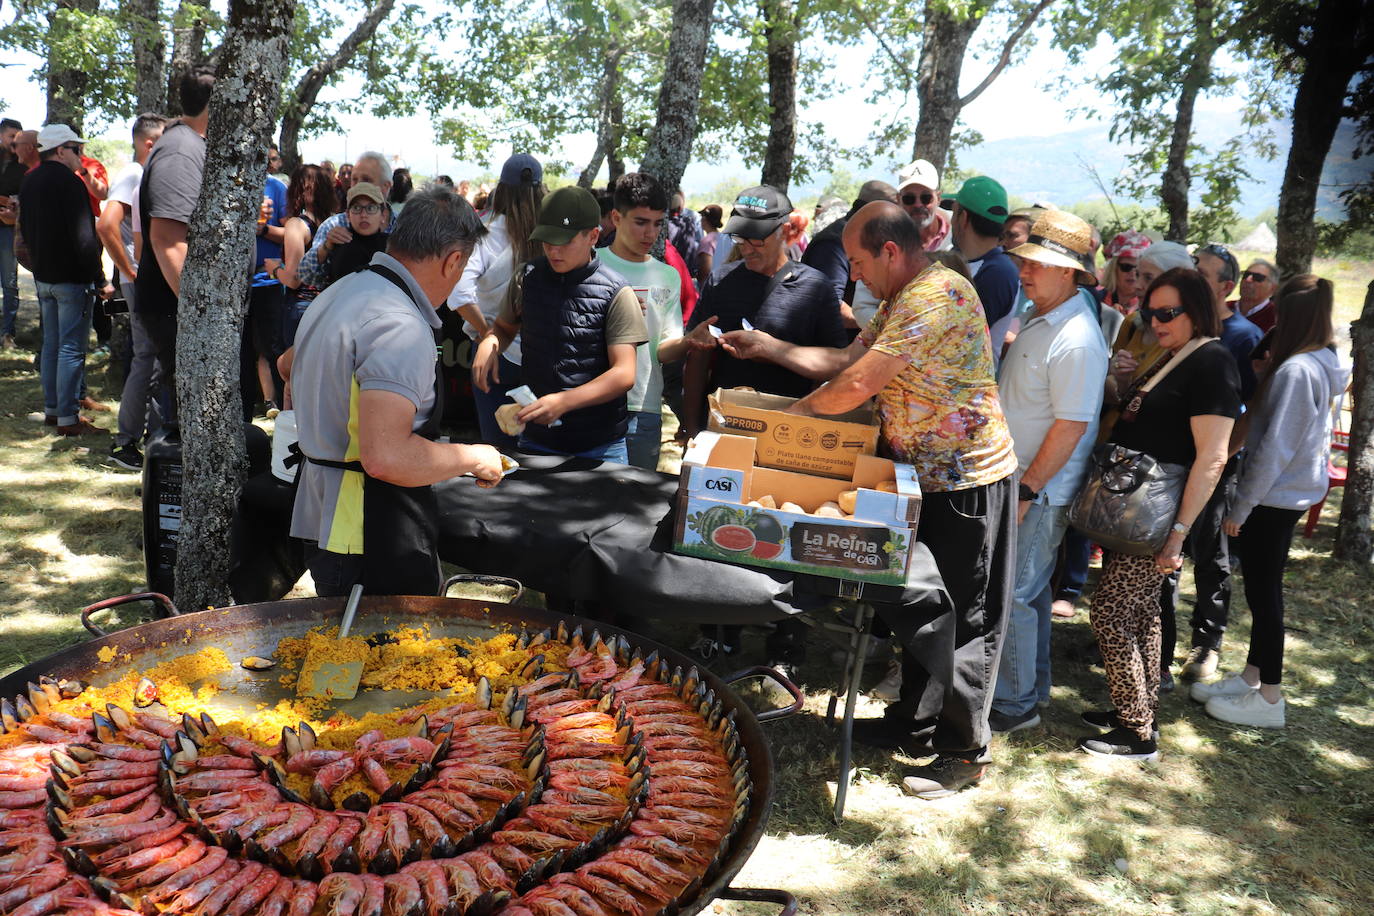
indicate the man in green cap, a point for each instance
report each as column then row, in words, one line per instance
column 579, row 323
column 979, row 210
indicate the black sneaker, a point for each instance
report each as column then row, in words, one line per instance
column 127, row 457
column 1104, row 720
column 1123, row 743
column 708, row 649
column 886, row 732
column 1005, row 724
column 943, row 777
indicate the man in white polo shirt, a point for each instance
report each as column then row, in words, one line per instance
column 1051, row 386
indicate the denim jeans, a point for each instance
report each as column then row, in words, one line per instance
column 1023, row 679
column 487, row 402
column 66, row 311
column 9, row 279
column 644, row 438
column 612, row 451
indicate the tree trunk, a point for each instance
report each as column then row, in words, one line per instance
column 188, row 50
column 781, row 27
column 1355, row 536
column 1176, row 180
column 307, row 90
column 212, row 304
column 150, row 52
column 607, row 133
column 615, row 163
column 670, row 143
column 1334, row 51
column 944, row 42
column 66, row 84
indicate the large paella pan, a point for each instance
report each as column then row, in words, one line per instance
column 553, row 766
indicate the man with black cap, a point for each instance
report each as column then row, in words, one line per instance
column 579, row 324
column 788, row 300
column 979, row 210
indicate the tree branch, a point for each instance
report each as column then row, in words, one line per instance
column 314, row 77
column 899, row 61
column 1004, row 58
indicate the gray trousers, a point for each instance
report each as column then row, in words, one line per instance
column 140, row 382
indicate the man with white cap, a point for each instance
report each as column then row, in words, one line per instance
column 1051, row 386
column 56, row 222
column 918, row 192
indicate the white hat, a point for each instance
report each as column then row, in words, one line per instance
column 919, row 172
column 54, row 135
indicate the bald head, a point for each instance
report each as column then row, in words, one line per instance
column 26, row 147
column 880, row 222
column 883, row 245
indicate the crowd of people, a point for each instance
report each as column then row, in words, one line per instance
column 1006, row 359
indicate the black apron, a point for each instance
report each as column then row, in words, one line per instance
column 400, row 524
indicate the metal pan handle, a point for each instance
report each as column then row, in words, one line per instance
column 798, row 698
column 762, row 895
column 503, row 581
column 162, row 602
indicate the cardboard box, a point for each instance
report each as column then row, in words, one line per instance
column 714, row 521
column 816, row 445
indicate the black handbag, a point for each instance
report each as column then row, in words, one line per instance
column 1129, row 500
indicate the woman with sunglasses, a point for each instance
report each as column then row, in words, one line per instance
column 1184, row 417
column 1121, row 276
column 1284, row 475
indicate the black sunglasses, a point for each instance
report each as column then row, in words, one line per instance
column 1127, row 268
column 910, row 199
column 1163, row 316
column 1256, row 276
column 73, row 147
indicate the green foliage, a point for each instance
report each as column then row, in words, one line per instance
column 843, row 184
column 1347, row 239
column 1164, row 46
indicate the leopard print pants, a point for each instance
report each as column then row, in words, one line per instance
column 1125, row 619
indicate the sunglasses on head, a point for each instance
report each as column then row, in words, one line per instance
column 1255, row 275
column 1163, row 316
column 910, row 199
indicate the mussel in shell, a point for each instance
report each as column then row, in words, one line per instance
column 145, row 693
column 258, row 663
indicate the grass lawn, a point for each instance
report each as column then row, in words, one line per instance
column 1228, row 821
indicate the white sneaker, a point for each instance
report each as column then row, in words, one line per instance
column 889, row 689
column 1230, row 686
column 1249, row 709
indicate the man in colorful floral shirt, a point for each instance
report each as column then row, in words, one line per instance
column 927, row 358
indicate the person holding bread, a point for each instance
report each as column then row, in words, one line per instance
column 579, row 324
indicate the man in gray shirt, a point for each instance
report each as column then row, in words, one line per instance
column 362, row 377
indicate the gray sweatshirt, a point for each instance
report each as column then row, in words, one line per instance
column 1290, row 431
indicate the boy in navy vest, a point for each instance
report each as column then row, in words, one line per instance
column 579, row 324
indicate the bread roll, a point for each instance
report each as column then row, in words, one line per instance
column 767, row 501
column 888, row 486
column 829, row 510
column 846, row 501
column 505, row 418
column 793, row 507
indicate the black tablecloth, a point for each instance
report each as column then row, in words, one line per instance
column 587, row 531
column 600, row 532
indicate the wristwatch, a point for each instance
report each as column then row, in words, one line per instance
column 1027, row 494
column 1180, row 528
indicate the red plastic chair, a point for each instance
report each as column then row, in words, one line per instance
column 1335, row 477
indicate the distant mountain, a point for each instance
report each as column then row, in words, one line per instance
column 1053, row 169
